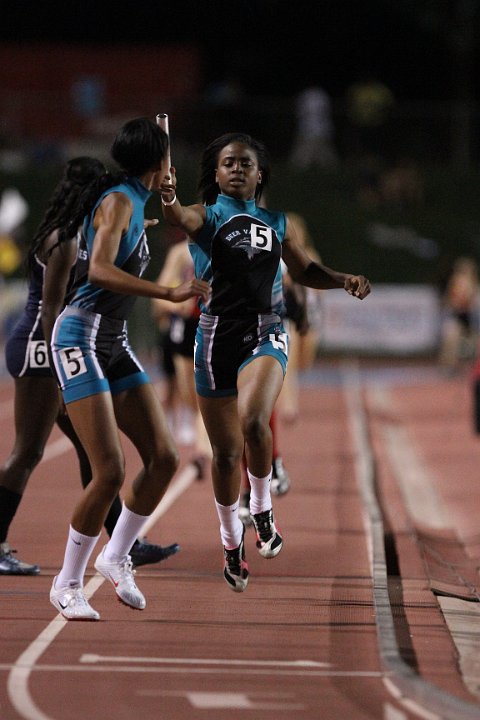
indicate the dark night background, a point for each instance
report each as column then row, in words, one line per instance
column 423, row 49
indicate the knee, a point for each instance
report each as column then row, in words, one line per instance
column 110, row 473
column 33, row 457
column 226, row 461
column 164, row 463
column 27, row 458
column 254, row 430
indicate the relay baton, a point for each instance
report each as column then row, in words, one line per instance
column 162, row 121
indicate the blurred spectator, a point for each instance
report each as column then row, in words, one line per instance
column 368, row 182
column 226, row 105
column 88, row 96
column 395, row 186
column 459, row 330
column 401, row 185
column 369, row 104
column 314, row 134
column 13, row 212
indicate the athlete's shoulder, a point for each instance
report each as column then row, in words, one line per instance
column 274, row 218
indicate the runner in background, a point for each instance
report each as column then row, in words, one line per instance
column 182, row 326
column 302, row 308
column 460, row 321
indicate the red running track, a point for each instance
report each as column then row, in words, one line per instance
column 309, row 639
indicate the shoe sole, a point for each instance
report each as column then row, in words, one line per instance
column 266, row 551
column 106, row 575
column 127, row 604
column 237, row 585
column 61, row 610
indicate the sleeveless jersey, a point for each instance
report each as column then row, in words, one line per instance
column 26, row 351
column 238, row 252
column 133, row 256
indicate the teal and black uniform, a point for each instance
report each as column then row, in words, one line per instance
column 90, row 345
column 238, row 251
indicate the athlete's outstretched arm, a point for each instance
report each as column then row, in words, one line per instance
column 306, row 271
column 190, row 218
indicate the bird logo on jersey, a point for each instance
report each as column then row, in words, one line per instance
column 251, row 237
column 143, row 254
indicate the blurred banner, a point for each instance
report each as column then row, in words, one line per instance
column 396, row 320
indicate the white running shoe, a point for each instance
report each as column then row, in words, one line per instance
column 121, row 575
column 71, row 602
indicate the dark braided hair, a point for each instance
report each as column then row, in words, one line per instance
column 61, row 213
column 207, row 187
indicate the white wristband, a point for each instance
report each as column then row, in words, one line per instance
column 171, row 202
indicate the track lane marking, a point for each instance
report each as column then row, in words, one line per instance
column 92, row 658
column 17, row 682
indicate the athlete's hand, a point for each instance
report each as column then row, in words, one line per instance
column 149, row 222
column 167, row 186
column 358, row 286
column 191, row 288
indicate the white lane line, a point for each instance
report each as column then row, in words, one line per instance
column 183, row 481
column 417, row 486
column 91, row 658
column 234, row 701
column 409, row 689
column 235, row 671
column 411, row 705
column 248, row 701
column 392, row 713
column 17, row 683
column 414, row 478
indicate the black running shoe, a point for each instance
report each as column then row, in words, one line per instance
column 269, row 540
column 236, row 569
column 9, row 565
column 145, row 553
column 280, row 483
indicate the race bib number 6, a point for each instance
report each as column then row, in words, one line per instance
column 73, row 363
column 37, row 354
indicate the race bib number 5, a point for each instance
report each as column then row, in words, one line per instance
column 73, row 362
column 261, row 237
column 279, row 342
